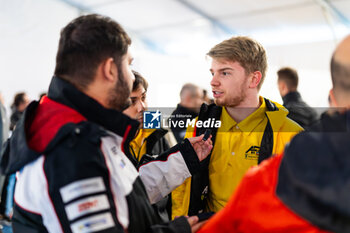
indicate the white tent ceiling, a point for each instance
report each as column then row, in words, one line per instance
column 165, row 21
column 171, row 38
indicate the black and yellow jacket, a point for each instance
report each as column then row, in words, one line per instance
column 150, row 142
column 272, row 132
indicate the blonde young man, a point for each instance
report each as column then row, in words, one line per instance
column 306, row 188
column 252, row 127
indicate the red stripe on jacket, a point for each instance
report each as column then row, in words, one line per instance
column 50, row 116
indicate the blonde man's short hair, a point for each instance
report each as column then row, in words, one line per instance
column 249, row 53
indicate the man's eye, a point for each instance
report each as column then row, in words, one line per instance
column 133, row 101
column 225, row 73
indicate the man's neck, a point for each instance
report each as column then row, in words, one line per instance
column 98, row 93
column 244, row 109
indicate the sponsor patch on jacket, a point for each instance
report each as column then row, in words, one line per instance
column 252, row 153
column 91, row 224
column 87, row 205
column 82, row 187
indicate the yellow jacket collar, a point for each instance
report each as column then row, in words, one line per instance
column 248, row 125
column 277, row 118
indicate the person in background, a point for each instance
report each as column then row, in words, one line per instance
column 252, row 127
column 299, row 111
column 4, row 122
column 191, row 98
column 20, row 102
column 4, row 134
column 305, row 189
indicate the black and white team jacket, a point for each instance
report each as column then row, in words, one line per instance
column 72, row 173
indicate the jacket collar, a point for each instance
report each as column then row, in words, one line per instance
column 65, row 105
column 291, row 97
column 276, row 117
column 65, row 93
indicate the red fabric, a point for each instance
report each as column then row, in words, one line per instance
column 125, row 136
column 49, row 118
column 254, row 207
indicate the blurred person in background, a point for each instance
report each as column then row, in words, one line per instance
column 20, row 102
column 4, row 134
column 252, row 127
column 305, row 189
column 4, row 122
column 299, row 111
column 191, row 98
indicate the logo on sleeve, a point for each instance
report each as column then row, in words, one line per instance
column 152, row 119
column 87, row 205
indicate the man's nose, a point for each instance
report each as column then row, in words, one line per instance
column 214, row 81
column 141, row 106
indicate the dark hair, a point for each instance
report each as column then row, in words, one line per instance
column 139, row 80
column 340, row 75
column 249, row 53
column 18, row 99
column 290, row 77
column 86, row 42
